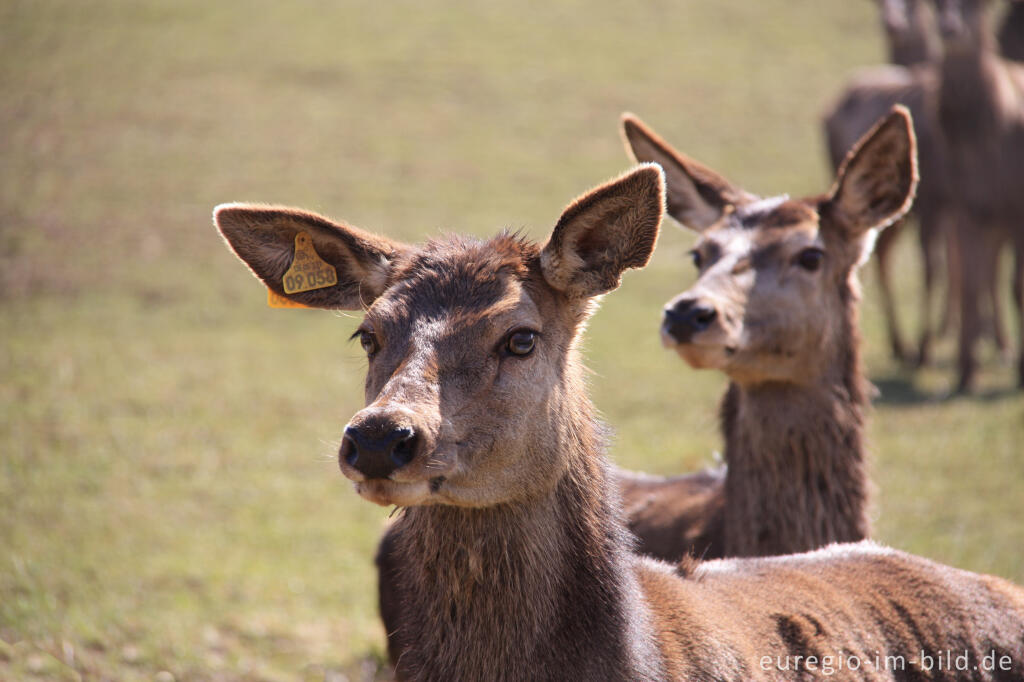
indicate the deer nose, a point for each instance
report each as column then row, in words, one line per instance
column 375, row 449
column 687, row 317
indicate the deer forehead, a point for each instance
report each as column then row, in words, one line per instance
column 763, row 238
column 453, row 314
column 458, row 273
column 775, row 215
column 462, row 328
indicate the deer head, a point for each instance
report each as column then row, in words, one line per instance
column 910, row 30
column 963, row 24
column 471, row 384
column 777, row 274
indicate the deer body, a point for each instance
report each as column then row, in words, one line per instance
column 887, row 618
column 513, row 562
column 676, row 516
column 487, row 596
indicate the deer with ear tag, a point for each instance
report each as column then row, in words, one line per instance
column 511, row 558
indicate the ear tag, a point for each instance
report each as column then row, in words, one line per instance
column 308, row 271
column 275, row 300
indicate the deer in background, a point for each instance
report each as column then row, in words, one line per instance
column 513, row 560
column 912, row 81
column 981, row 114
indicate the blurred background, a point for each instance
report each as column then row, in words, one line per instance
column 170, row 505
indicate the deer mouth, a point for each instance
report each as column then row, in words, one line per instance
column 419, row 483
column 667, row 340
column 387, row 493
column 713, row 347
column 706, row 355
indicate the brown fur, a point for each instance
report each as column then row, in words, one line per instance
column 793, row 416
column 512, row 560
column 981, row 113
column 675, row 517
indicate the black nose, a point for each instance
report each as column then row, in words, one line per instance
column 685, row 318
column 377, row 449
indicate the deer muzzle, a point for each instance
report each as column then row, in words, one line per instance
column 378, row 442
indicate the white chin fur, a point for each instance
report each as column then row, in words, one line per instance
column 387, row 493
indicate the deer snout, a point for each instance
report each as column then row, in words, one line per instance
column 376, row 446
column 685, row 317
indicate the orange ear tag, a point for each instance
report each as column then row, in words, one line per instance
column 307, row 272
column 275, row 300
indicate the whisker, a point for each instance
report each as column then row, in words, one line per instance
column 330, row 452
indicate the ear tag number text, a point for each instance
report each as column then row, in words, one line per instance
column 308, row 271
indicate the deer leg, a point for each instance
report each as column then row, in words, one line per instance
column 971, row 247
column 995, row 297
column 928, row 234
column 1018, row 299
column 883, row 249
column 953, row 268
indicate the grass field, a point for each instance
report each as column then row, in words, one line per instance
column 170, row 507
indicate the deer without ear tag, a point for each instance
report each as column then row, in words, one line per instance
column 308, row 271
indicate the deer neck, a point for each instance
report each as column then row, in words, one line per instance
column 973, row 89
column 979, row 108
column 507, row 591
column 796, row 476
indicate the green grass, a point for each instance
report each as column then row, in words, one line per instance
column 168, row 497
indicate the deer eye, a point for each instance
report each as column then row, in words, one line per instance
column 368, row 340
column 810, row 259
column 521, row 342
column 697, row 259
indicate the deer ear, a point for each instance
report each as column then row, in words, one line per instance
column 267, row 238
column 697, row 195
column 605, row 232
column 877, row 180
